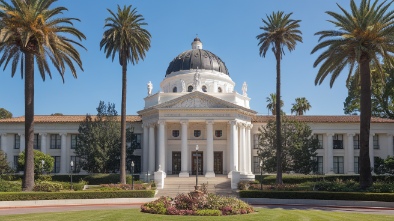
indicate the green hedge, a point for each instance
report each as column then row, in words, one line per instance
column 297, row 179
column 385, row 197
column 76, row 195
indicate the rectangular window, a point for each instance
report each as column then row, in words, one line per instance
column 356, row 165
column 356, row 141
column 338, row 141
column 55, row 141
column 319, row 137
column 376, row 141
column 338, row 165
column 319, row 160
column 175, row 133
column 256, row 164
column 77, row 164
column 74, row 141
column 218, row 133
column 37, row 142
column 256, row 140
column 16, row 164
column 197, row 133
column 17, row 141
column 56, row 166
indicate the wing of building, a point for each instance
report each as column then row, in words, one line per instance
column 197, row 106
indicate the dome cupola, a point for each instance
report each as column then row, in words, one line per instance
column 197, row 58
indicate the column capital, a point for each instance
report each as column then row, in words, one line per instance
column 63, row 134
column 232, row 122
column 330, row 134
column 3, row 134
column 21, row 134
column 351, row 134
column 390, row 134
column 161, row 122
column 242, row 124
column 209, row 122
column 249, row 126
column 186, row 122
column 43, row 134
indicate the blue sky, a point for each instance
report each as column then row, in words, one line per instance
column 226, row 28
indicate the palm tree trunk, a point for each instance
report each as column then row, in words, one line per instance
column 278, row 116
column 123, row 123
column 28, row 177
column 365, row 121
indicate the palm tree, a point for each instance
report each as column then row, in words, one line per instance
column 271, row 106
column 126, row 37
column 365, row 35
column 31, row 32
column 279, row 31
column 300, row 106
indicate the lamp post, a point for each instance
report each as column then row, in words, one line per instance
column 132, row 175
column 197, row 187
column 72, row 165
column 261, row 174
column 42, row 167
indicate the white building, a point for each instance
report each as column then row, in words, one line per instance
column 197, row 106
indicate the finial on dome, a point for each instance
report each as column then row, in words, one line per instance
column 197, row 44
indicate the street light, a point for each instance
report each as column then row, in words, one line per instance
column 197, row 187
column 72, row 165
column 42, row 167
column 132, row 175
column 261, row 174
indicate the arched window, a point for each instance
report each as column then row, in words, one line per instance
column 174, row 90
column 190, row 88
column 219, row 89
column 204, row 88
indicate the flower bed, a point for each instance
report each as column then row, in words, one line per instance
column 197, row 204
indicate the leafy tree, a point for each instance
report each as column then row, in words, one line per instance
column 382, row 97
column 39, row 156
column 271, row 106
column 4, row 166
column 32, row 32
column 300, row 106
column 5, row 114
column 299, row 147
column 364, row 35
column 279, row 31
column 126, row 37
column 389, row 165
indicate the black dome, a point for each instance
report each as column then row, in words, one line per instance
column 197, row 58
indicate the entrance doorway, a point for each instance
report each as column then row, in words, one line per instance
column 218, row 162
column 200, row 162
column 176, row 162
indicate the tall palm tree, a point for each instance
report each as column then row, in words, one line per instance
column 300, row 106
column 125, row 37
column 32, row 32
column 363, row 36
column 279, row 31
column 271, row 106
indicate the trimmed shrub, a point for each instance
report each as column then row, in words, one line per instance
column 208, row 212
column 47, row 186
column 97, row 179
column 76, row 195
column 10, row 186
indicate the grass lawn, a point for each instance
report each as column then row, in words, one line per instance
column 261, row 214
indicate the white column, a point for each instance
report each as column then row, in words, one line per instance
column 145, row 150
column 249, row 149
column 64, row 160
column 242, row 148
column 161, row 145
column 210, row 172
column 390, row 148
column 233, row 147
column 3, row 142
column 371, row 155
column 22, row 142
column 184, row 149
column 350, row 154
column 43, row 142
column 329, row 155
column 152, row 148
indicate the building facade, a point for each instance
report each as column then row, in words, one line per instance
column 197, row 112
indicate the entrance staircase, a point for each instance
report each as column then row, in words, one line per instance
column 174, row 185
